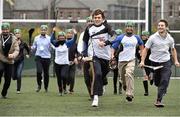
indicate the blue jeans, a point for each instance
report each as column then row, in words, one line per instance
column 18, row 67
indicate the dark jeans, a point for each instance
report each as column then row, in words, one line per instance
column 71, row 77
column 17, row 73
column 115, row 78
column 42, row 66
column 7, row 70
column 61, row 73
column 161, row 78
column 101, row 69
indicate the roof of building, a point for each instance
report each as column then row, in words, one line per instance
column 43, row 4
column 70, row 4
column 102, row 4
column 30, row 4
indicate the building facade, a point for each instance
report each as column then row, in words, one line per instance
column 80, row 9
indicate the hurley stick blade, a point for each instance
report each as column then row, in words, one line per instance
column 154, row 67
column 87, row 58
column 30, row 35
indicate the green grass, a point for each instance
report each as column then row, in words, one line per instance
column 31, row 103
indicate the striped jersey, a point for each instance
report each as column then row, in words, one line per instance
column 92, row 35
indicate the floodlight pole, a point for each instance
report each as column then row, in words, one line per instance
column 149, row 16
column 139, row 14
column 162, row 9
column 1, row 13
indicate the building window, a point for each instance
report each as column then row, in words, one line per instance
column 170, row 10
column 116, row 15
column 61, row 14
column 70, row 15
column 23, row 16
column 79, row 15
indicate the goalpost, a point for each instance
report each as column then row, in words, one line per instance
column 81, row 21
column 145, row 21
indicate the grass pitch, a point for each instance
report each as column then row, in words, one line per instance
column 30, row 103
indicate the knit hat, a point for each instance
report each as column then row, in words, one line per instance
column 5, row 26
column 145, row 33
column 61, row 33
column 118, row 31
column 69, row 31
column 129, row 23
column 44, row 27
column 17, row 31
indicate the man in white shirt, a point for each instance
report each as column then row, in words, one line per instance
column 126, row 60
column 42, row 48
column 99, row 31
column 160, row 43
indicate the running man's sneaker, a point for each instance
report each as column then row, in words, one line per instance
column 120, row 88
column 151, row 82
column 38, row 89
column 124, row 87
column 115, row 91
column 3, row 97
column 71, row 91
column 146, row 94
column 46, row 90
column 60, row 94
column 129, row 98
column 159, row 104
column 65, row 92
column 18, row 92
column 95, row 101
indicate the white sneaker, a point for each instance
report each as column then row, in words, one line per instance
column 95, row 101
column 60, row 94
column 18, row 92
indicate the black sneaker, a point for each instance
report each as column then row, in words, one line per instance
column 60, row 94
column 38, row 89
column 115, row 91
column 146, row 94
column 65, row 92
column 90, row 99
column 46, row 90
column 3, row 97
column 129, row 99
column 151, row 82
column 71, row 91
column 124, row 87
